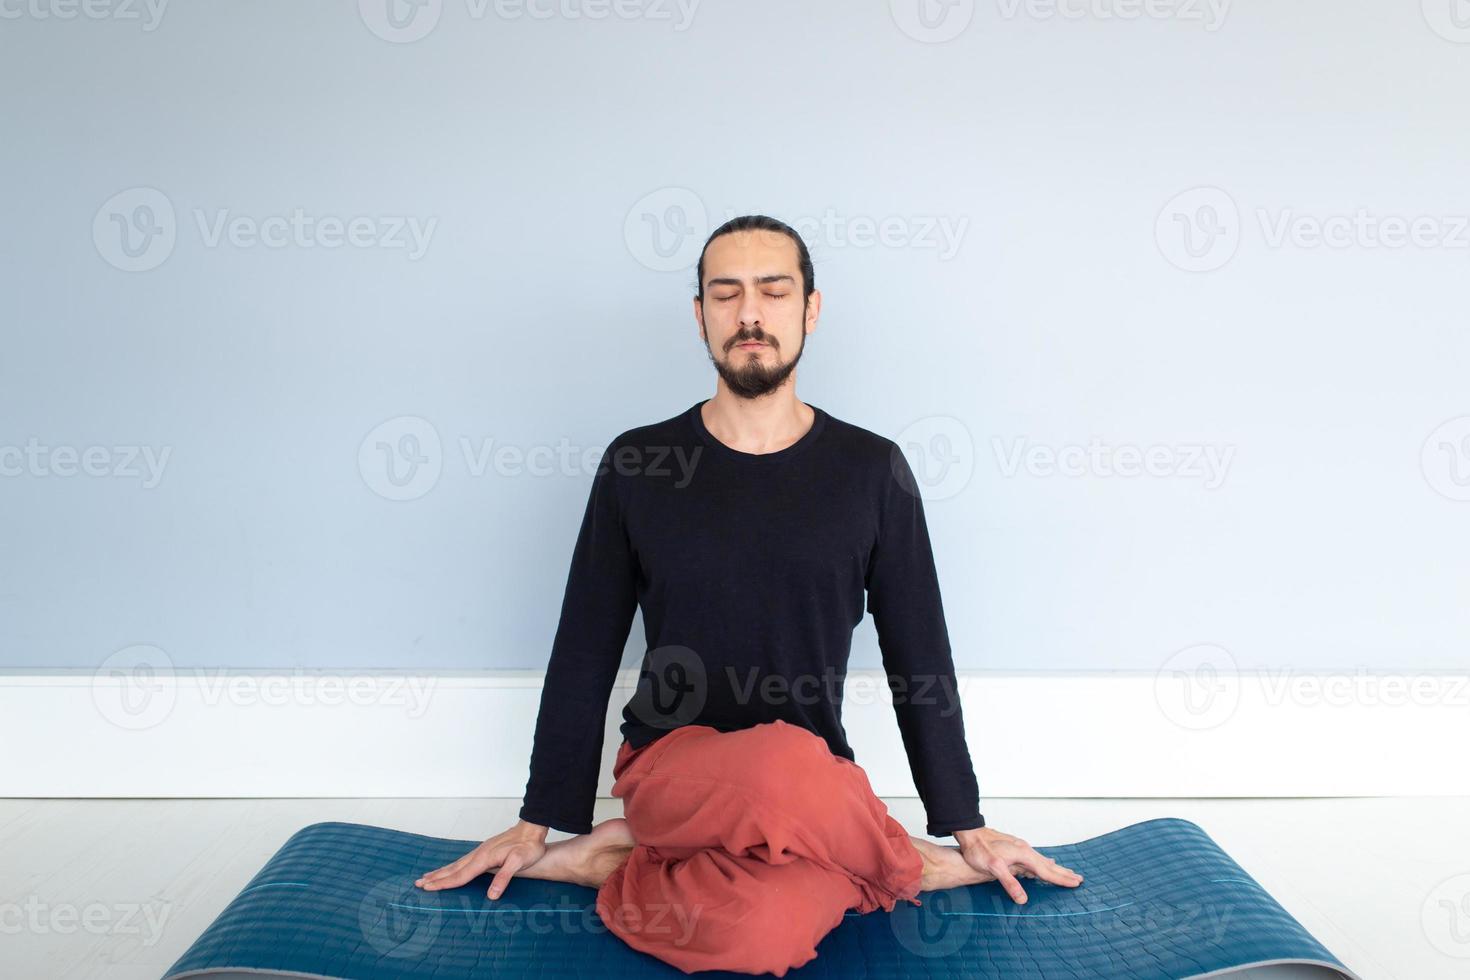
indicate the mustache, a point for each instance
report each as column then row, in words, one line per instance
column 745, row 337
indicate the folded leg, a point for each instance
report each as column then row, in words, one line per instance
column 715, row 911
column 774, row 792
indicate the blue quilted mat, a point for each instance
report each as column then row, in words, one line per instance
column 1161, row 901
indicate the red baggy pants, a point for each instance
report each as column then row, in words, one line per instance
column 751, row 846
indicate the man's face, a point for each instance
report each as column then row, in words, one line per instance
column 753, row 320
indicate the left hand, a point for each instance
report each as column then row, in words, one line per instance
column 1003, row 858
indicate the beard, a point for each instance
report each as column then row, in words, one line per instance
column 747, row 376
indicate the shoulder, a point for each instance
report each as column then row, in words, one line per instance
column 879, row 457
column 862, row 445
column 655, row 450
column 665, row 433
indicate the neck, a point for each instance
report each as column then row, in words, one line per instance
column 766, row 424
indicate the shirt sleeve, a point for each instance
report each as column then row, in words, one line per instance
column 904, row 600
column 596, row 614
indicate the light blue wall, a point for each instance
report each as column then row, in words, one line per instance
column 537, row 153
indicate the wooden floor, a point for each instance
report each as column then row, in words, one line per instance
column 118, row 889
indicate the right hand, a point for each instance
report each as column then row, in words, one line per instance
column 519, row 847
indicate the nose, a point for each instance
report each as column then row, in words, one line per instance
column 750, row 311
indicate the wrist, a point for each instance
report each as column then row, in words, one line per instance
column 534, row 831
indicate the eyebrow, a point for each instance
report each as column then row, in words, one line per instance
column 759, row 282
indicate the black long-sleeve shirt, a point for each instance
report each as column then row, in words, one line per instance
column 751, row 571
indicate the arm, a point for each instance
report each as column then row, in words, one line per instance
column 596, row 613
column 904, row 600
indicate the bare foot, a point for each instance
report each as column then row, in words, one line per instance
column 945, row 867
column 586, row 859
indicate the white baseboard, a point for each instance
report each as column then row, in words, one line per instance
column 396, row 734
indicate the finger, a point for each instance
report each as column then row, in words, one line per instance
column 508, row 868
column 1068, row 871
column 1032, row 858
column 454, row 875
column 452, row 880
column 438, row 873
column 1047, row 858
column 1048, row 870
column 454, row 866
column 1063, row 869
column 1008, row 882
